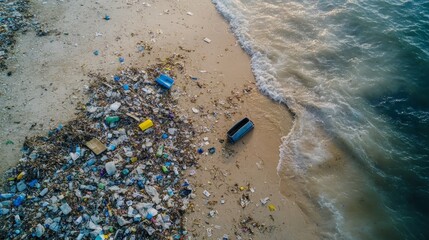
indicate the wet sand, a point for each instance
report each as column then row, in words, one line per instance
column 49, row 75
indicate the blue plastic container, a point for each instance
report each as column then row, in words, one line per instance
column 165, row 81
column 239, row 130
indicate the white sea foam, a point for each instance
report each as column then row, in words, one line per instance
column 329, row 204
column 303, row 146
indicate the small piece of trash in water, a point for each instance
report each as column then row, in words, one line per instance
column 8, row 142
column 207, row 40
column 190, row 14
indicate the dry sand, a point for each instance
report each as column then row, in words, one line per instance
column 49, row 74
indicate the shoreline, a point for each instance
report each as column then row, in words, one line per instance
column 224, row 93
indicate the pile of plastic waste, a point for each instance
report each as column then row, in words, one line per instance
column 115, row 172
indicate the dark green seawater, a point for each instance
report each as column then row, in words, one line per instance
column 356, row 74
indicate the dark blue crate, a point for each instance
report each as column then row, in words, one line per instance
column 239, row 130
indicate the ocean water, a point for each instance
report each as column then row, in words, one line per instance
column 356, row 76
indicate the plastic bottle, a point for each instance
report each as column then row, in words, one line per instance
column 6, row 195
column 78, row 151
column 17, row 220
column 6, row 203
column 19, row 200
column 43, row 192
column 111, row 147
column 152, row 212
column 170, row 191
column 90, row 162
column 159, row 151
column 88, row 187
column 33, row 183
column 4, row 211
column 111, row 119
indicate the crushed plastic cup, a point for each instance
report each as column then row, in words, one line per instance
column 110, row 168
column 115, row 106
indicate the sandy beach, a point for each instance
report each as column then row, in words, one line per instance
column 47, row 85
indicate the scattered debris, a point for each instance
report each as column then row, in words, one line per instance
column 195, row 110
column 244, row 200
column 264, row 200
column 206, row 193
column 15, row 17
column 212, row 150
column 271, row 207
column 207, row 40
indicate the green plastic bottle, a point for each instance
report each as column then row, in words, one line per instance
column 112, row 119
